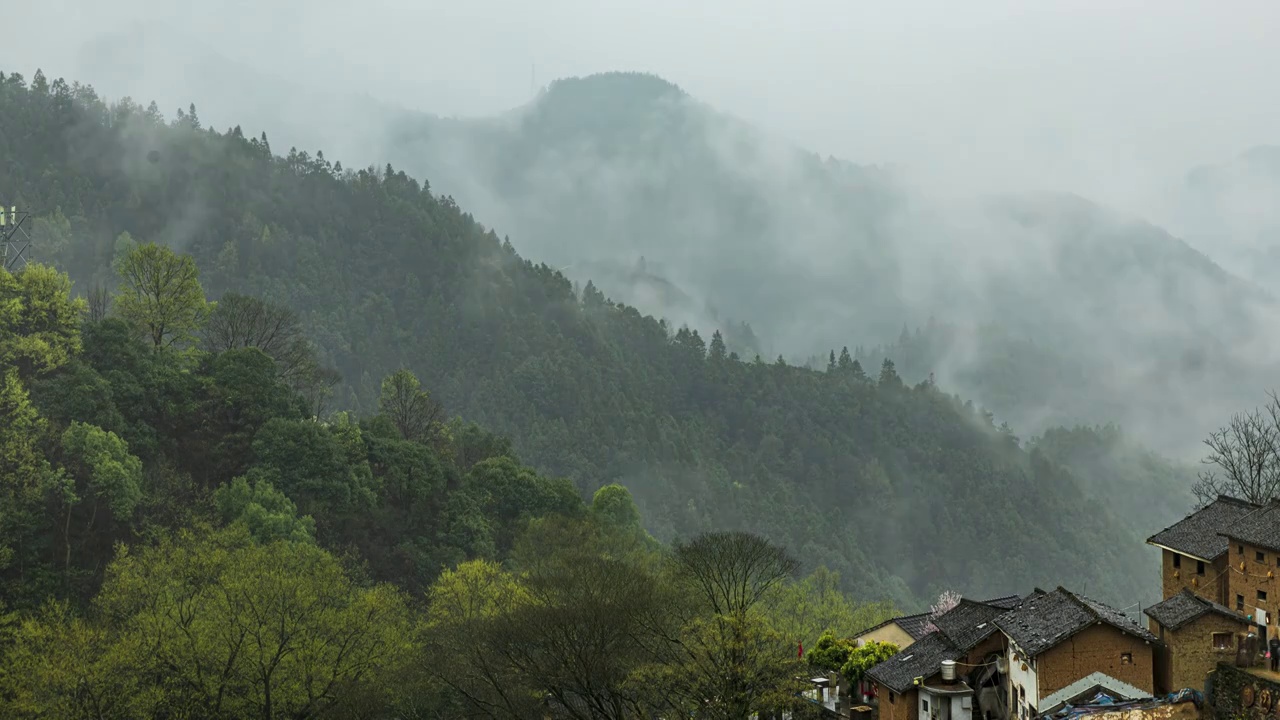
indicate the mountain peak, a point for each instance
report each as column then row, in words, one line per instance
column 612, row 87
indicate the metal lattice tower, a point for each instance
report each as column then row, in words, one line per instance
column 14, row 239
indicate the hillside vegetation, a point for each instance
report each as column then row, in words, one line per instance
column 612, row 167
column 182, row 536
column 902, row 488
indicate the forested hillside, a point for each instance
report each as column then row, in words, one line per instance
column 903, row 489
column 612, row 167
column 181, row 535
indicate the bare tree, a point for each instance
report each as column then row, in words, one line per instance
column 1245, row 456
column 99, row 302
column 241, row 321
column 733, row 570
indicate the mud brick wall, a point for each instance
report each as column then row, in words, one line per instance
column 1096, row 649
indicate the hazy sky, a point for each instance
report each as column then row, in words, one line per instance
column 1103, row 98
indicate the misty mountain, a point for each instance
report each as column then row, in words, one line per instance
column 611, row 167
column 1232, row 209
column 902, row 488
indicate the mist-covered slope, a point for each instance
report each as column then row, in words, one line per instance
column 1232, row 209
column 818, row 253
column 902, row 489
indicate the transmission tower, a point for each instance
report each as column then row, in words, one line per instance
column 14, row 239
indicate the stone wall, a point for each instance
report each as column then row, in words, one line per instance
column 1236, row 694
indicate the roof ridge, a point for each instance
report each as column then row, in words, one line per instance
column 1233, row 499
column 1080, row 601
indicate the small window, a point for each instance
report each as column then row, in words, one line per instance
column 1177, row 560
column 924, row 704
column 1260, row 556
column 1240, row 549
column 1200, row 565
column 1262, row 596
column 1222, row 641
column 1126, row 658
column 891, row 698
column 1239, row 602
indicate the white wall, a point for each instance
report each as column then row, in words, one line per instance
column 1025, row 678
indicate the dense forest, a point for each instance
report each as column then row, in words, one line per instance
column 182, row 536
column 902, row 489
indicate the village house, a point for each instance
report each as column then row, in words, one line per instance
column 1062, row 646
column 1254, row 552
column 901, row 631
column 1194, row 552
column 1197, row 634
column 948, row 672
column 906, row 629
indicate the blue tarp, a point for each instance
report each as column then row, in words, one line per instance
column 1102, row 702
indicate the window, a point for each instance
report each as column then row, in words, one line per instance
column 1177, row 560
column 1239, row 602
column 1262, row 596
column 1126, row 658
column 924, row 704
column 1200, row 565
column 891, row 697
column 1222, row 641
column 1240, row 549
column 1260, row 556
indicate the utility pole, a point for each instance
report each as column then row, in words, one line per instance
column 14, row 239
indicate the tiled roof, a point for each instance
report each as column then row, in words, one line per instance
column 1007, row 602
column 922, row 659
column 1185, row 607
column 1045, row 619
column 1260, row 527
column 959, row 630
column 917, row 626
column 969, row 623
column 1198, row 534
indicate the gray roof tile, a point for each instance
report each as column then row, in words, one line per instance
column 1185, row 607
column 969, row 623
column 922, row 659
column 1043, row 620
column 1260, row 527
column 960, row 629
column 917, row 626
column 1198, row 534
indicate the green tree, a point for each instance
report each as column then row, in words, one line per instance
column 410, row 408
column 160, row 293
column 830, row 652
column 64, row 666
column 816, row 605
column 39, row 321
column 865, row 657
column 268, row 514
column 235, row 628
column 100, row 473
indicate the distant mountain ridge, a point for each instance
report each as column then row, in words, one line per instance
column 815, row 253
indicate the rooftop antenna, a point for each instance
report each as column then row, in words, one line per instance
column 14, row 239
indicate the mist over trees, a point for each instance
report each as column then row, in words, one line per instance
column 869, row 476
